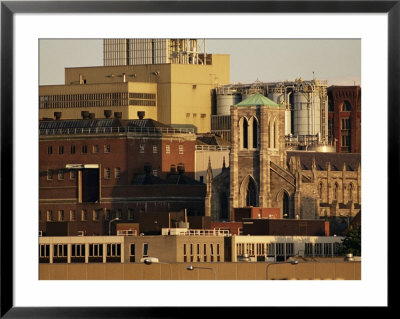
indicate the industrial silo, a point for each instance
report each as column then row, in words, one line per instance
column 278, row 96
column 306, row 113
column 225, row 100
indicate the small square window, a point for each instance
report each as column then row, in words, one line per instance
column 155, row 149
column 60, row 175
column 130, row 214
column 49, row 174
column 61, row 215
column 107, row 148
column 117, row 173
column 107, row 173
column 141, row 148
column 72, row 175
column 95, row 148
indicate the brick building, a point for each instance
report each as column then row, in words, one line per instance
column 344, row 117
column 92, row 171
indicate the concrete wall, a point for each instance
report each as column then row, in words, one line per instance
column 322, row 270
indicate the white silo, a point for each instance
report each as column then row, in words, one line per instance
column 306, row 113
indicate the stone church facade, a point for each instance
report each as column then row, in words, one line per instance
column 261, row 173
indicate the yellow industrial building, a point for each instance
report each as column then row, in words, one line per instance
column 179, row 95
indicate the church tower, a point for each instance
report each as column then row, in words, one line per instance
column 258, row 137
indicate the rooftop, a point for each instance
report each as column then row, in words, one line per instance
column 257, row 100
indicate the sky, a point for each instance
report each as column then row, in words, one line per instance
column 268, row 60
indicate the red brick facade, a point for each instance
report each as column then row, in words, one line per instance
column 110, row 181
column 345, row 103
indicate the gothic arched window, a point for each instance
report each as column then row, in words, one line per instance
column 244, row 132
column 251, row 193
column 255, row 132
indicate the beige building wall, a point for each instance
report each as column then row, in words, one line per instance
column 183, row 90
column 69, row 112
column 320, row 270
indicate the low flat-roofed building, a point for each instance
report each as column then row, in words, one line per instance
column 285, row 227
column 280, row 248
column 187, row 247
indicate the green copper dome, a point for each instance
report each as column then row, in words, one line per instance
column 257, row 99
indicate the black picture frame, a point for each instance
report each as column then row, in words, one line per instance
column 9, row 8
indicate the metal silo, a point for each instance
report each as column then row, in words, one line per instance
column 306, row 113
column 225, row 100
column 279, row 97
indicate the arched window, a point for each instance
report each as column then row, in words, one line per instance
column 275, row 134
column 255, row 132
column 244, row 126
column 346, row 106
column 320, row 189
column 351, row 187
column 271, row 131
column 251, row 193
column 335, row 191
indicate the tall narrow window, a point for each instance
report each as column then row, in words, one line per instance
column 73, row 149
column 117, row 173
column 245, row 134
column 255, row 131
column 49, row 150
column 61, row 149
column 276, row 135
column 251, row 194
column 335, row 191
column 351, row 192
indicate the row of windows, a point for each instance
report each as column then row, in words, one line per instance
column 142, row 102
column 73, row 173
column 107, row 149
column 72, row 215
column 92, row 100
column 201, row 252
column 79, row 250
column 93, row 251
column 286, row 249
column 350, row 190
column 84, row 149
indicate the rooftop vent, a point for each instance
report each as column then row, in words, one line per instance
column 118, row 115
column 85, row 115
column 107, row 113
column 57, row 115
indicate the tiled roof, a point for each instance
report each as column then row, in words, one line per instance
column 337, row 160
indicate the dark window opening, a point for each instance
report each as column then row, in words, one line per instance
column 90, row 185
column 245, row 134
column 251, row 194
column 255, row 129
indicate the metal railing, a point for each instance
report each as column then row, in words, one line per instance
column 105, row 130
column 206, row 232
column 129, row 232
